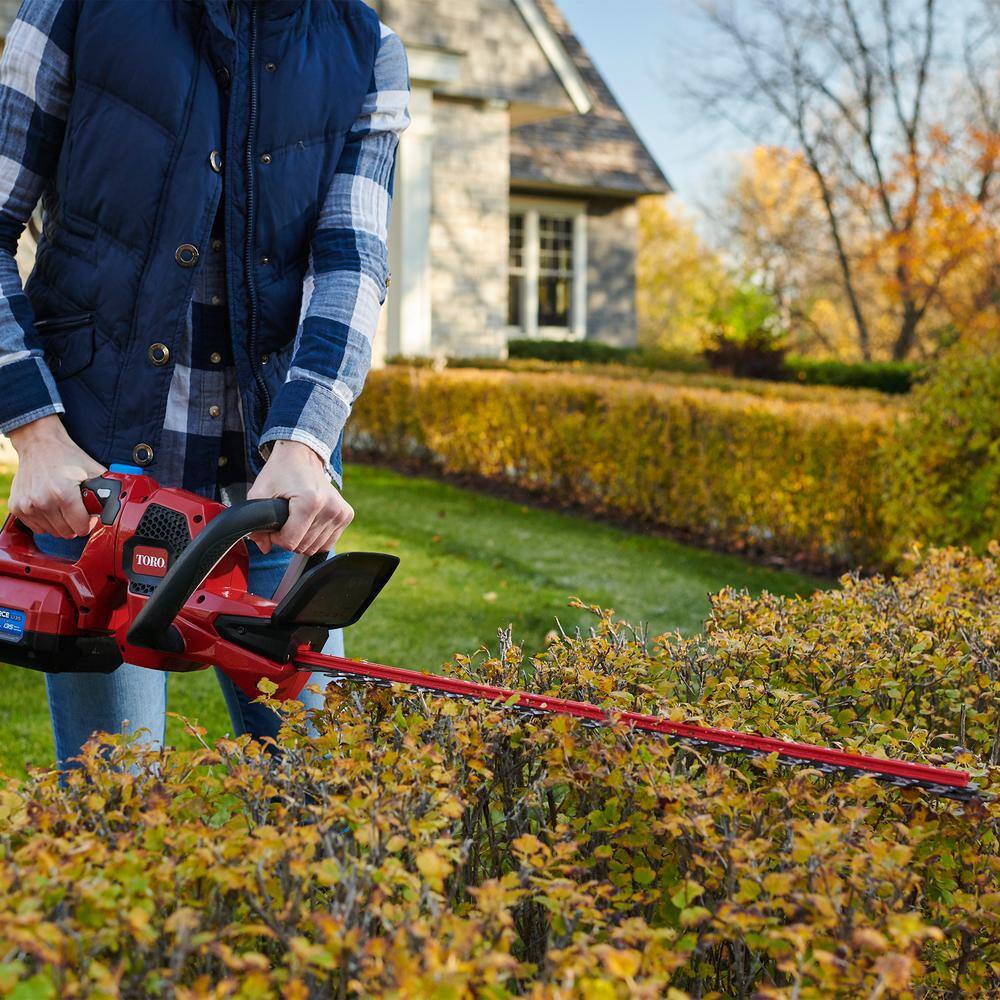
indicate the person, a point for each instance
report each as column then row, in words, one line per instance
column 216, row 183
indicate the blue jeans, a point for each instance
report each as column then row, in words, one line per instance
column 135, row 698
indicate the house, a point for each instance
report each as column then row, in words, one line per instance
column 515, row 204
column 517, row 184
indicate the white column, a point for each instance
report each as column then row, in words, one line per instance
column 409, row 321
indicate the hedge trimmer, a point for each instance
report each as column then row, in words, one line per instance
column 162, row 583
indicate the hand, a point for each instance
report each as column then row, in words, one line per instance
column 317, row 513
column 45, row 494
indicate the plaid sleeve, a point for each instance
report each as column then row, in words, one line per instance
column 35, row 91
column 345, row 284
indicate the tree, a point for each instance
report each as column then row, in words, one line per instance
column 678, row 281
column 769, row 217
column 894, row 107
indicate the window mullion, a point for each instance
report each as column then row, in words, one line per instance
column 531, row 273
column 579, row 313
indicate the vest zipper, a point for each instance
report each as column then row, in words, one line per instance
column 251, row 213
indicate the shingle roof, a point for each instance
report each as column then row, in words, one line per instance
column 597, row 151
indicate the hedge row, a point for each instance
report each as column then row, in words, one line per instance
column 894, row 377
column 799, row 480
column 419, row 847
column 885, row 376
column 698, row 379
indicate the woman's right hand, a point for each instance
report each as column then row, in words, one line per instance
column 45, row 494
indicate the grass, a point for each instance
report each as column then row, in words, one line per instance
column 470, row 563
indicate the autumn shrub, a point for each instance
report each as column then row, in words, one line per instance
column 801, row 480
column 945, row 483
column 422, row 847
column 747, row 335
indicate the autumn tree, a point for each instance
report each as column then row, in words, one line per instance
column 894, row 108
column 769, row 218
column 679, row 278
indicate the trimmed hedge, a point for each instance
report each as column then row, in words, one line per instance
column 419, row 847
column 800, row 480
column 893, row 377
column 945, row 484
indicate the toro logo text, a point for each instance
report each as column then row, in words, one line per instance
column 148, row 561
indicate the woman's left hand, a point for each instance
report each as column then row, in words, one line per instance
column 317, row 513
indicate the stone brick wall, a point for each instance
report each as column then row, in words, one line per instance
column 8, row 11
column 503, row 59
column 612, row 242
column 469, row 227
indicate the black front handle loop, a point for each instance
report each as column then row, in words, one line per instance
column 151, row 628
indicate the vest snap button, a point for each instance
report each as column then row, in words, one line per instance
column 186, row 255
column 265, row 158
column 215, row 161
column 270, row 66
column 224, row 76
column 215, row 357
column 159, row 354
column 142, row 454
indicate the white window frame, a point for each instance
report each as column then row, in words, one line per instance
column 532, row 209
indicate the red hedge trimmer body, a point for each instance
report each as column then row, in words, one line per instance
column 162, row 583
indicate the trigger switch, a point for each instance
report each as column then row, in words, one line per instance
column 108, row 492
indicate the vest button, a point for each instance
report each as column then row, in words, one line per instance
column 142, row 454
column 224, row 76
column 217, row 245
column 265, row 158
column 186, row 255
column 215, row 161
column 223, row 461
column 215, row 357
column 214, row 411
column 159, row 354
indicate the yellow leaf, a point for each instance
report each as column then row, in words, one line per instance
column 623, row 963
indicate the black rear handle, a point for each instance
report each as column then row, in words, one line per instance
column 152, row 626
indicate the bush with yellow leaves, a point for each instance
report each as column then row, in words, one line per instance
column 421, row 847
column 790, row 477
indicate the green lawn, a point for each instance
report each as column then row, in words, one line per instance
column 470, row 563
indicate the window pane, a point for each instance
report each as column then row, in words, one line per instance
column 517, row 241
column 515, row 292
column 554, row 297
column 555, row 273
column 556, row 245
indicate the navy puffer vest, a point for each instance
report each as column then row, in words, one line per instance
column 175, row 102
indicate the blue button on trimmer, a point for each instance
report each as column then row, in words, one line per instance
column 125, row 470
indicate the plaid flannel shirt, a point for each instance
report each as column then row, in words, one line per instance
column 202, row 445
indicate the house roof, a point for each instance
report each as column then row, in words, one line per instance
column 598, row 151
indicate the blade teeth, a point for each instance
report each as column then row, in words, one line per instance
column 966, row 794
